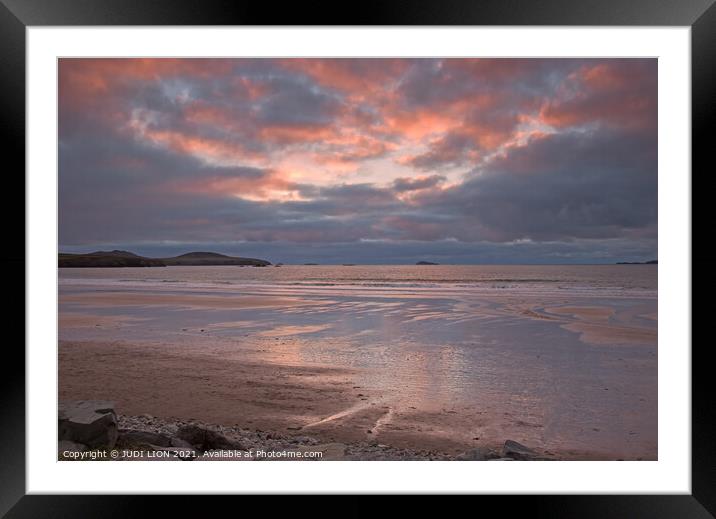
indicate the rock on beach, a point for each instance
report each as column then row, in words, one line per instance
column 88, row 422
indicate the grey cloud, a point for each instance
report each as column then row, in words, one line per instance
column 414, row 184
column 293, row 102
column 559, row 187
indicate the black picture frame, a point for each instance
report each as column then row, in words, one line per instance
column 17, row 15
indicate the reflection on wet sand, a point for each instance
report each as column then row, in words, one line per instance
column 67, row 320
column 283, row 331
column 586, row 313
column 196, row 301
column 570, row 372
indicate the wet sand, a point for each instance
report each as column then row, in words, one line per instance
column 200, row 383
column 216, row 387
column 592, row 323
column 445, row 371
column 112, row 299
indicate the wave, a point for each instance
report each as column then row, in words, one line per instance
column 383, row 289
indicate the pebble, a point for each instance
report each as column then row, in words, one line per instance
column 256, row 439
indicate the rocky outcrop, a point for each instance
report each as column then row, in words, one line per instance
column 128, row 438
column 92, row 423
column 206, row 439
column 516, row 451
column 156, row 442
column 88, row 427
column 479, row 454
column 511, row 451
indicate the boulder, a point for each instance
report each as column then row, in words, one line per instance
column 206, row 439
column 517, row 451
column 89, row 422
column 131, row 438
column 182, row 444
column 478, row 454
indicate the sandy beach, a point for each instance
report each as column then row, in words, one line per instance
column 325, row 403
column 444, row 369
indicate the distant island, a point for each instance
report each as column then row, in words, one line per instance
column 115, row 258
column 120, row 258
column 426, row 263
column 650, row 262
column 213, row 258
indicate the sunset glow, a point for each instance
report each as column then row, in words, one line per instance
column 459, row 158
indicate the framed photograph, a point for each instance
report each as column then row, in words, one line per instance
column 431, row 249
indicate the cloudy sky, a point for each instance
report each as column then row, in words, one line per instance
column 361, row 160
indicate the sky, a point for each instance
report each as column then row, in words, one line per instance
column 361, row 160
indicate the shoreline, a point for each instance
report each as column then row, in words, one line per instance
column 272, row 441
column 565, row 363
column 291, row 405
column 148, row 438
